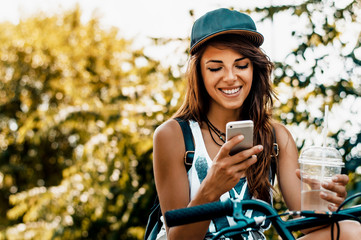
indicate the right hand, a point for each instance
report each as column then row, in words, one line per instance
column 227, row 170
column 313, row 183
column 337, row 185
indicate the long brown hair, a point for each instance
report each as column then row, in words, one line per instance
column 257, row 106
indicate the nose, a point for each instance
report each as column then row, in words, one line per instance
column 230, row 76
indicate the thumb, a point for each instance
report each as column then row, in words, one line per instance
column 226, row 148
column 298, row 173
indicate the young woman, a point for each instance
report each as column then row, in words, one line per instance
column 229, row 80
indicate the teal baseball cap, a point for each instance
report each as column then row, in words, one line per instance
column 223, row 21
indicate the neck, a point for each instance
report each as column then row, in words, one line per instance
column 220, row 118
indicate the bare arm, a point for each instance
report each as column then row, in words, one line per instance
column 289, row 178
column 171, row 178
column 289, row 183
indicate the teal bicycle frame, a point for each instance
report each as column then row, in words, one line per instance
column 236, row 209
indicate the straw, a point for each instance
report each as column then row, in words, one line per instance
column 325, row 130
column 325, row 126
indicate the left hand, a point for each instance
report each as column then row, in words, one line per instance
column 336, row 185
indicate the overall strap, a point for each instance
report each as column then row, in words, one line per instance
column 188, row 142
column 274, row 156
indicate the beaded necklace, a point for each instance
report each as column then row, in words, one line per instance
column 220, row 135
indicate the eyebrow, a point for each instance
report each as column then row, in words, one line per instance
column 219, row 61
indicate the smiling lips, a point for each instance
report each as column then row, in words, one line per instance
column 231, row 91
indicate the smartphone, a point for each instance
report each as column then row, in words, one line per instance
column 244, row 128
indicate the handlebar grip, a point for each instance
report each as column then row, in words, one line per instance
column 198, row 213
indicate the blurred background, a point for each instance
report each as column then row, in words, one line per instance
column 83, row 85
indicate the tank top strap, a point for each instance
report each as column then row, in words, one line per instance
column 198, row 138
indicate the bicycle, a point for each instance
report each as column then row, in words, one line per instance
column 284, row 228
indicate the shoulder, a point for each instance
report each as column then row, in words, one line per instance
column 168, row 140
column 288, row 153
column 283, row 135
column 168, row 130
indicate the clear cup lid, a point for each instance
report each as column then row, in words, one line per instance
column 321, row 154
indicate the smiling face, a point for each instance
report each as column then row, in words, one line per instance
column 227, row 77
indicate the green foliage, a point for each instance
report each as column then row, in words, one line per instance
column 328, row 37
column 323, row 69
column 78, row 106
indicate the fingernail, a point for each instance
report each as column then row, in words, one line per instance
column 323, row 194
column 325, row 184
column 334, row 178
column 260, row 147
column 254, row 156
column 332, row 206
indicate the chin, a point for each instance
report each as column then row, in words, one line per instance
column 234, row 107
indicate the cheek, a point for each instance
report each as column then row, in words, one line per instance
column 206, row 86
column 209, row 89
column 208, row 82
column 248, row 86
column 249, row 80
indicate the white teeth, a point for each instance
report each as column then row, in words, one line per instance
column 231, row 91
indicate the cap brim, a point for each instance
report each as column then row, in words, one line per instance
column 254, row 37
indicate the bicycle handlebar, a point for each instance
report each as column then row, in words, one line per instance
column 284, row 228
column 198, row 213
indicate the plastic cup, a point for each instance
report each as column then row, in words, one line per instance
column 317, row 164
